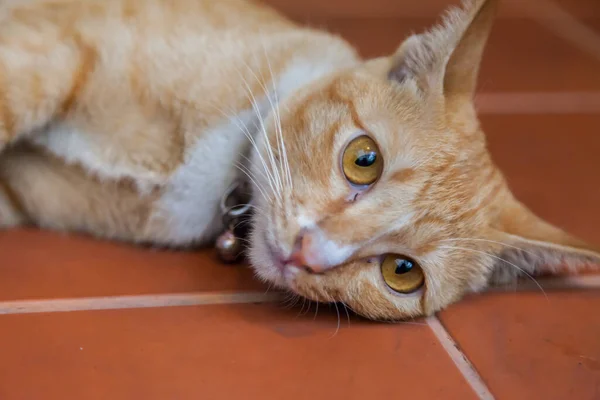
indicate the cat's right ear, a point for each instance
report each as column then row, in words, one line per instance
column 533, row 247
column 445, row 60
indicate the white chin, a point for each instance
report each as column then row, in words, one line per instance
column 262, row 262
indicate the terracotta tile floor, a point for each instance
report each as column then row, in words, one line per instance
column 221, row 337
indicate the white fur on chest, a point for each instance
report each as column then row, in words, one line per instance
column 190, row 207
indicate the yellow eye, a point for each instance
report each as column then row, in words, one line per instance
column 362, row 163
column 401, row 273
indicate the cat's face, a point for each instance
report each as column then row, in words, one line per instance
column 421, row 182
column 387, row 199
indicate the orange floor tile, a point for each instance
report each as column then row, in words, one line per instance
column 51, row 265
column 527, row 346
column 522, row 55
column 551, row 162
column 219, row 352
column 132, row 338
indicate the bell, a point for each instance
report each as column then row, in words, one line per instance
column 229, row 247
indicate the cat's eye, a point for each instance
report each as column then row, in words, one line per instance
column 401, row 273
column 362, row 162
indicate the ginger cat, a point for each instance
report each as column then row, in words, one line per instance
column 372, row 184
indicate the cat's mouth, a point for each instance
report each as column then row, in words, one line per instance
column 276, row 255
column 282, row 264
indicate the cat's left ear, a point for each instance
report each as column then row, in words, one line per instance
column 535, row 247
column 445, row 60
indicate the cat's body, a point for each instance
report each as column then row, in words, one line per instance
column 129, row 119
column 137, row 109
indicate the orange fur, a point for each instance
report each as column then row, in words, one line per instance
column 127, row 119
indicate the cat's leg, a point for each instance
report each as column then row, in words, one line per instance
column 42, row 68
column 44, row 190
column 11, row 212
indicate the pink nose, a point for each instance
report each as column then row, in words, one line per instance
column 303, row 253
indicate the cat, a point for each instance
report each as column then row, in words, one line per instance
column 372, row 184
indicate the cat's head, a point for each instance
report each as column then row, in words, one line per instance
column 389, row 201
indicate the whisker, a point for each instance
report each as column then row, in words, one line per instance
column 236, row 120
column 293, row 301
column 269, row 286
column 278, row 117
column 347, row 313
column 302, row 307
column 246, row 132
column 245, row 240
column 271, row 171
column 266, row 91
column 310, row 303
column 256, row 109
column 290, row 297
column 493, row 241
column 249, row 173
column 259, row 187
column 337, row 329
column 503, row 260
column 249, row 164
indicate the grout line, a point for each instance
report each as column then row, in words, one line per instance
column 580, row 282
column 461, row 361
column 538, row 103
column 142, row 301
column 563, row 24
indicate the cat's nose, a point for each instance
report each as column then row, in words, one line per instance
column 303, row 253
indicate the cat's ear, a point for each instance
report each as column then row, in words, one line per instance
column 535, row 247
column 446, row 59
